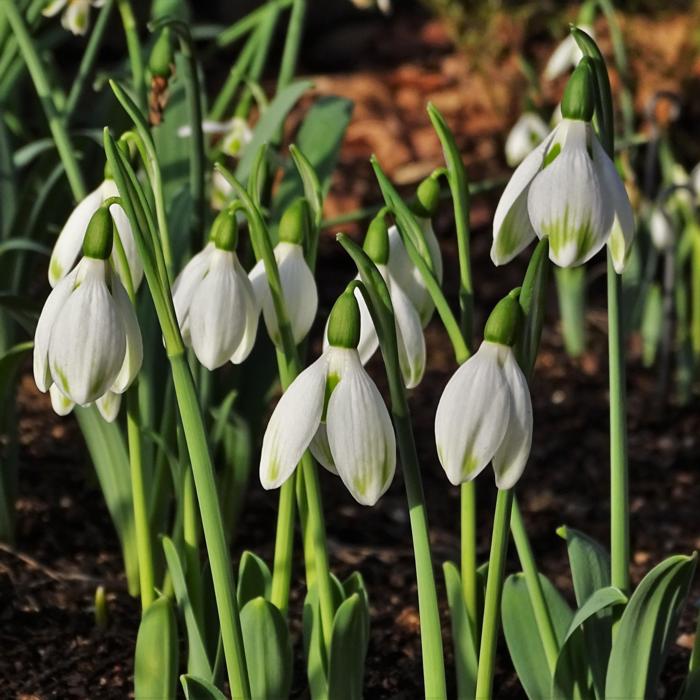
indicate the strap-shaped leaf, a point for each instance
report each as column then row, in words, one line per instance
column 156, row 658
column 197, row 660
column 267, row 648
column 200, row 689
column 521, row 632
column 463, row 641
column 254, row 578
column 647, row 628
column 348, row 650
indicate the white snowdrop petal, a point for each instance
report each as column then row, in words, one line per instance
column 217, row 317
column 108, row 405
column 361, row 436
column 511, row 457
column 622, row 231
column 70, row 241
column 53, row 8
column 527, row 132
column 512, row 230
column 321, row 450
column 566, row 201
column 76, row 17
column 472, row 414
column 52, row 307
column 133, row 357
column 369, row 342
column 61, row 404
column 186, row 284
column 252, row 312
column 661, row 229
column 409, row 336
column 293, row 424
column 87, row 343
column 566, row 56
column 299, row 287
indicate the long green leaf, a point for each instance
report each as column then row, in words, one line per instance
column 254, row 578
column 156, row 657
column 348, row 650
column 8, row 188
column 647, row 629
column 200, row 689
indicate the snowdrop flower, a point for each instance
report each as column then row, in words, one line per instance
column 404, row 271
column 214, row 301
column 235, row 134
column 87, row 346
column 568, row 190
column 383, row 5
column 661, row 229
column 335, row 400
column 526, row 133
column 298, row 284
column 409, row 333
column 76, row 13
column 485, row 412
column 566, row 56
column 70, row 241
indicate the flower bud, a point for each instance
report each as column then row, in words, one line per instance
column 376, row 243
column 224, row 230
column 344, row 322
column 98, row 237
column 295, row 225
column 578, row 101
column 161, row 58
column 503, row 325
column 427, row 198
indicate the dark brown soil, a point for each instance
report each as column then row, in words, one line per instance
column 66, row 547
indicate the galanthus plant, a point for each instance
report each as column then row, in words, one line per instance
column 75, row 14
column 334, row 408
column 526, row 133
column 87, row 345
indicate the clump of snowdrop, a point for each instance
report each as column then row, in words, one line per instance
column 70, row 241
column 214, row 300
column 409, row 332
column 485, row 412
column 334, row 408
column 527, row 132
column 75, row 15
column 298, row 283
column 87, row 345
column 567, row 190
column 403, row 270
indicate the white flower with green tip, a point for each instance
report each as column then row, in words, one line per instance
column 297, row 280
column 69, row 243
column 567, row 190
column 214, row 300
column 235, row 134
column 76, row 13
column 334, row 409
column 87, row 345
column 485, row 411
column 527, row 132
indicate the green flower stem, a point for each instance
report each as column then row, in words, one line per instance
column 695, row 292
column 247, row 23
column 494, row 589
column 534, row 587
column 191, row 417
column 284, row 546
column 144, row 542
column 468, row 560
column 571, row 292
column 190, row 532
column 376, row 295
column 235, row 77
column 194, row 106
column 87, row 62
column 43, row 90
column 291, row 44
column 133, row 45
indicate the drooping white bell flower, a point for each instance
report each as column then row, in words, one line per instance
column 566, row 56
column 69, row 242
column 568, row 190
column 87, row 345
column 76, row 13
column 298, row 283
column 335, row 397
column 527, row 132
column 214, row 301
column 235, row 134
column 409, row 332
column 485, row 411
column 661, row 229
column 402, row 269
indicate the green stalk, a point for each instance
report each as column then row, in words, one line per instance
column 292, row 43
column 43, row 90
column 284, row 546
column 235, row 76
column 87, row 62
column 190, row 533
column 468, row 532
column 695, row 296
column 133, row 45
column 571, row 292
column 534, row 587
column 494, row 589
column 246, row 24
column 379, row 302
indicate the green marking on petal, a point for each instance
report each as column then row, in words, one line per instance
column 56, row 269
column 509, row 236
column 617, row 243
column 574, row 242
column 469, row 465
column 552, row 153
column 273, row 470
column 96, row 386
column 332, row 381
column 62, row 380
